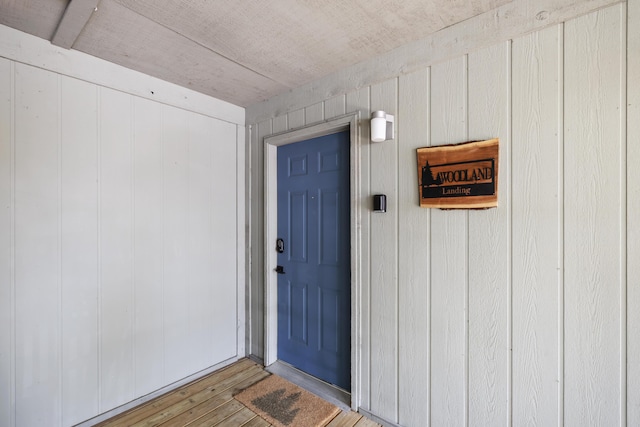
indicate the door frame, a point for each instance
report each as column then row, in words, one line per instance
column 348, row 122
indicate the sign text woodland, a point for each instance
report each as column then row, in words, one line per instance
column 459, row 176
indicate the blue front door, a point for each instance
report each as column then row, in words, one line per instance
column 314, row 290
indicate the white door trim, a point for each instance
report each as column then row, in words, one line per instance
column 348, row 122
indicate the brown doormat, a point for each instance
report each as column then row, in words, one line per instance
column 284, row 404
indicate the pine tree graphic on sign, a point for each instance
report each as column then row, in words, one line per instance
column 427, row 176
column 428, row 179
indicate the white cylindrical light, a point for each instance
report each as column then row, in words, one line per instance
column 378, row 126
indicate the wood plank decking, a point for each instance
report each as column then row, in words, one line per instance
column 209, row 402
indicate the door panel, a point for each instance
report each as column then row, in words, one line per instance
column 297, row 233
column 330, row 309
column 297, row 311
column 328, row 223
column 314, row 291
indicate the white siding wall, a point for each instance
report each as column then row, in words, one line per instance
column 633, row 213
column 521, row 315
column 119, row 245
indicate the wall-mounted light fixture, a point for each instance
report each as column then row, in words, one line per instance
column 381, row 126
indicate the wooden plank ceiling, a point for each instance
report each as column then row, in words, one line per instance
column 242, row 51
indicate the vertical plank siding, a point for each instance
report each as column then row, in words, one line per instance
column 593, row 58
column 448, row 238
column 223, row 241
column 201, row 207
column 537, row 226
column 38, row 359
column 489, row 246
column 7, row 302
column 148, row 246
column 413, row 265
column 118, row 246
column 314, row 113
column 175, row 205
column 79, row 206
column 384, row 263
column 520, row 315
column 633, row 212
column 257, row 242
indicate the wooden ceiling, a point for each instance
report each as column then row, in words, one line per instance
column 240, row 51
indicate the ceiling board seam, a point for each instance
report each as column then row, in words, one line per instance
column 73, row 21
column 202, row 45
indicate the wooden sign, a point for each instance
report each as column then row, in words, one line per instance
column 463, row 176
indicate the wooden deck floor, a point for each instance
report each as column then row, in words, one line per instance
column 209, row 402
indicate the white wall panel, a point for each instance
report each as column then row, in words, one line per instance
column 175, row 268
column 6, row 248
column 148, row 246
column 594, row 253
column 223, row 306
column 414, row 266
column 79, row 249
column 279, row 124
column 537, row 227
column 449, row 257
column 489, row 246
column 384, row 263
column 241, row 242
column 37, row 248
column 119, row 246
column 314, row 113
column 200, row 272
column 296, row 118
column 633, row 212
column 117, row 372
column 334, row 107
column 259, row 131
